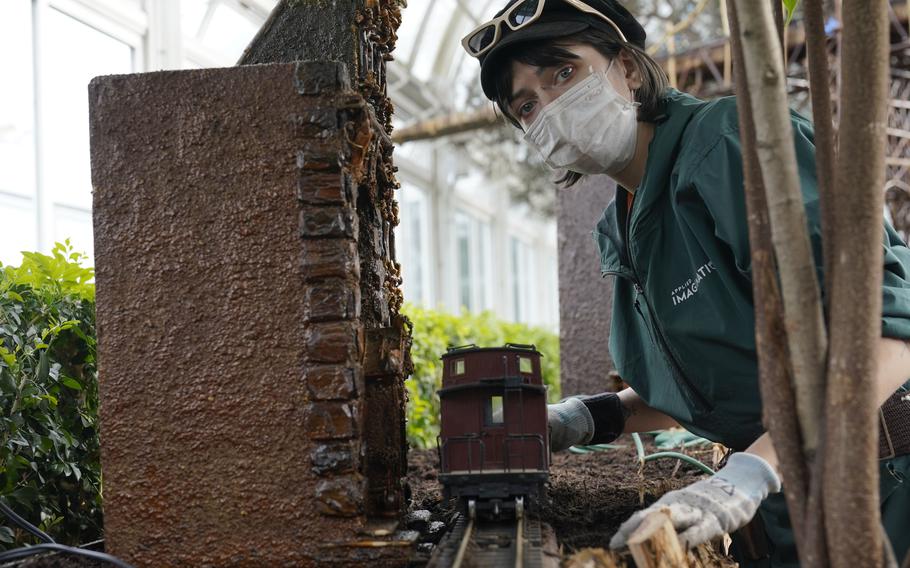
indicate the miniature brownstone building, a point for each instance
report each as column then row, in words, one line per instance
column 251, row 355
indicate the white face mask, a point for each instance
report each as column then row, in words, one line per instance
column 589, row 129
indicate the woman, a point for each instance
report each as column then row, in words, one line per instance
column 574, row 77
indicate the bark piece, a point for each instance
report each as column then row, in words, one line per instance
column 333, row 458
column 385, row 352
column 332, row 300
column 333, row 342
column 330, row 258
column 325, row 188
column 330, row 382
column 329, row 222
column 330, row 420
column 341, row 496
column 655, row 544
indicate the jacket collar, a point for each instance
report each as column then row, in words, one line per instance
column 610, row 234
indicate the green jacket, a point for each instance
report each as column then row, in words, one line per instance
column 683, row 330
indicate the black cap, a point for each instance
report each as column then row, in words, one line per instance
column 558, row 19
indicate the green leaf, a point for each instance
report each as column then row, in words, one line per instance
column 7, row 357
column 71, row 383
column 789, row 10
column 14, row 296
column 26, row 495
column 18, row 439
column 51, row 399
column 6, row 535
column 43, row 367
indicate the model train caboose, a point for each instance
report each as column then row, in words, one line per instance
column 493, row 445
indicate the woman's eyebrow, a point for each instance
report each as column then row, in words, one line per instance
column 520, row 93
column 526, row 91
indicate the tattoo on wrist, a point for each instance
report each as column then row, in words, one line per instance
column 626, row 411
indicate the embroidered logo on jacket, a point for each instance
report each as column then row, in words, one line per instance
column 690, row 288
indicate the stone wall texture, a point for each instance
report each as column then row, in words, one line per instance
column 360, row 34
column 237, row 394
column 585, row 299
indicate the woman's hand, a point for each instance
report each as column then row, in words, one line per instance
column 729, row 499
column 570, row 424
column 601, row 418
column 711, row 507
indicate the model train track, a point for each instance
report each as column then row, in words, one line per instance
column 474, row 542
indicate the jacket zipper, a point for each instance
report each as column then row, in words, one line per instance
column 685, row 385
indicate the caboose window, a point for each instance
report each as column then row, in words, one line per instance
column 494, row 411
column 524, row 365
column 458, row 367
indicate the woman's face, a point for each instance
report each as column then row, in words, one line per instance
column 533, row 88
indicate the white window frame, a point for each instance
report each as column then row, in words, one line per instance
column 121, row 22
column 523, row 281
column 197, row 53
column 426, row 296
column 479, row 257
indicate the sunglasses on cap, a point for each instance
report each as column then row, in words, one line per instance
column 522, row 14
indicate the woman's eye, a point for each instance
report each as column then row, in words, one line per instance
column 526, row 108
column 565, row 73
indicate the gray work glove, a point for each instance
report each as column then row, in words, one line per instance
column 720, row 504
column 570, row 424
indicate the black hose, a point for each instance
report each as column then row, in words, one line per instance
column 18, row 553
column 40, row 534
column 49, row 544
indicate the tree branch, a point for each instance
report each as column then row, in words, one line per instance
column 851, row 499
column 823, row 115
column 803, row 318
column 778, row 405
column 447, row 125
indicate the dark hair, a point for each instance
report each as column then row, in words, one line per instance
column 553, row 52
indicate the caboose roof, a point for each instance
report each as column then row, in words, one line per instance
column 508, row 348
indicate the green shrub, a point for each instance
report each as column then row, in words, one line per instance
column 434, row 332
column 50, row 469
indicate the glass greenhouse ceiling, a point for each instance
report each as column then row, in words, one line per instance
column 429, row 48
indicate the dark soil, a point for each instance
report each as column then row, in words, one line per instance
column 588, row 495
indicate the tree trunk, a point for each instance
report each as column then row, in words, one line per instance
column 820, row 90
column 778, row 405
column 823, row 115
column 802, row 306
column 851, row 499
